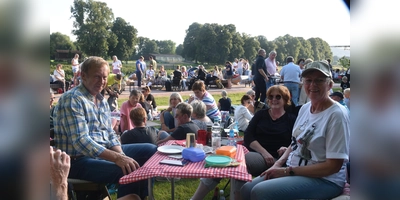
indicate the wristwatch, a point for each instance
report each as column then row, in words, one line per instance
column 291, row 172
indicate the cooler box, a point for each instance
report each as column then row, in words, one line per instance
column 193, row 154
column 229, row 151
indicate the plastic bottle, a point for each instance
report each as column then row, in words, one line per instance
column 231, row 140
column 216, row 135
column 221, row 195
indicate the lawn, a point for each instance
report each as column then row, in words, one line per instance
column 163, row 101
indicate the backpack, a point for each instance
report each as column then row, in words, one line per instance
column 226, row 124
column 258, row 105
column 168, row 85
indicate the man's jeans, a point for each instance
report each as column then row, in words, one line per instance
column 294, row 91
column 270, row 82
column 103, row 171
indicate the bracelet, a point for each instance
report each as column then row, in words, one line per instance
column 285, row 170
column 122, row 153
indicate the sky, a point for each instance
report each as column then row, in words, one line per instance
column 169, row 20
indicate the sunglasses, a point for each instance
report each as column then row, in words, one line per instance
column 277, row 97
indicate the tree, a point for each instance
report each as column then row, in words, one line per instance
column 224, row 43
column 60, row 41
column 250, row 47
column 166, row 46
column 126, row 36
column 344, row 61
column 206, row 43
column 179, row 50
column 92, row 24
column 305, row 48
column 150, row 47
column 292, row 46
column 189, row 46
column 237, row 50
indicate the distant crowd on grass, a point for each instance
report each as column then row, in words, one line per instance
column 295, row 144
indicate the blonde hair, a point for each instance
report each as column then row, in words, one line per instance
column 175, row 95
column 224, row 94
column 346, row 91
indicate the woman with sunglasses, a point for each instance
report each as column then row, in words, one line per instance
column 316, row 159
column 266, row 137
column 242, row 112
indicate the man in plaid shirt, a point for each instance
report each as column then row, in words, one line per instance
column 82, row 127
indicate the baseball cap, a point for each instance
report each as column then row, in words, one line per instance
column 338, row 94
column 317, row 65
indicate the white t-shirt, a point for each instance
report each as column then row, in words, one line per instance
column 116, row 64
column 150, row 73
column 240, row 65
column 234, row 65
column 243, row 117
column 330, row 139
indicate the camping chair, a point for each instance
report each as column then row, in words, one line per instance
column 82, row 189
column 176, row 84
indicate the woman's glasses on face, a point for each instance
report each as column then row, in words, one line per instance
column 277, row 97
column 318, row 81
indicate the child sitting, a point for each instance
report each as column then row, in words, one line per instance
column 127, row 106
column 346, row 99
column 344, row 84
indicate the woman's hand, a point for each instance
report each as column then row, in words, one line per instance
column 281, row 150
column 268, row 158
column 274, row 172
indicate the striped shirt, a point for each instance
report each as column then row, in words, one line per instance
column 212, row 108
column 81, row 128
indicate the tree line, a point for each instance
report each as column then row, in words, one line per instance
column 99, row 34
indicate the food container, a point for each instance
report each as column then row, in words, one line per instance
column 218, row 161
column 229, row 151
column 193, row 154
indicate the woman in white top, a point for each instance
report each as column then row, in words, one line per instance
column 117, row 65
column 242, row 112
column 75, row 68
column 316, row 159
column 59, row 76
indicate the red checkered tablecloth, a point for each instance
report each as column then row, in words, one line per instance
column 152, row 168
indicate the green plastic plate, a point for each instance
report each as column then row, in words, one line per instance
column 218, row 160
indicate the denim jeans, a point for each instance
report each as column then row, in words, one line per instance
column 290, row 187
column 294, row 91
column 183, row 84
column 270, row 82
column 169, row 120
column 139, row 78
column 103, row 171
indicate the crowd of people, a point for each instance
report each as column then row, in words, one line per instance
column 295, row 148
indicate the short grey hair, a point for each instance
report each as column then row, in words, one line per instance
column 251, row 92
column 272, row 52
column 199, row 108
column 185, row 109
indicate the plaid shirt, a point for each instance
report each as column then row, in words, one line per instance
column 81, row 128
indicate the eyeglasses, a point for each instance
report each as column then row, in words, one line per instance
column 277, row 97
column 318, row 81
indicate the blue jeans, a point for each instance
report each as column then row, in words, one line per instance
column 183, row 84
column 270, row 82
column 294, row 91
column 139, row 78
column 169, row 120
column 290, row 187
column 103, row 171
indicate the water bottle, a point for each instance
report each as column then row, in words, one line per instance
column 221, row 195
column 231, row 139
column 216, row 135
